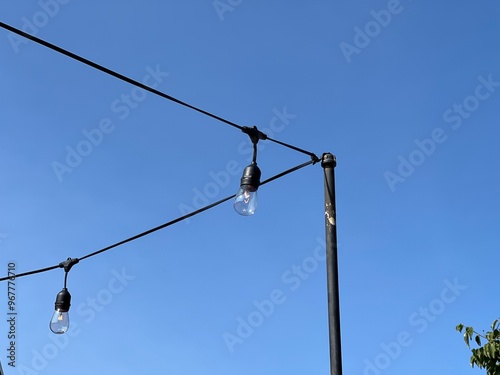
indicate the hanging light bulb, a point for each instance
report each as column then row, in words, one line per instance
column 60, row 319
column 245, row 202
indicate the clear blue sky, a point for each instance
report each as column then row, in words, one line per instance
column 406, row 95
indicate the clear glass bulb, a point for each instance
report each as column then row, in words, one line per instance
column 245, row 202
column 59, row 322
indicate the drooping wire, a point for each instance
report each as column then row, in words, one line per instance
column 130, row 239
column 70, row 261
column 145, row 87
column 255, row 135
column 113, row 73
column 313, row 156
column 41, row 270
column 279, row 175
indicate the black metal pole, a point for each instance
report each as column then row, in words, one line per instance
column 328, row 162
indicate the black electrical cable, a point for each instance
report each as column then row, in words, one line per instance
column 112, row 73
column 30, row 273
column 205, row 208
column 158, row 227
column 279, row 175
column 65, row 279
column 144, row 87
column 313, row 156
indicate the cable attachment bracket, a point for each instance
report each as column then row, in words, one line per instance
column 254, row 134
column 68, row 263
column 315, row 159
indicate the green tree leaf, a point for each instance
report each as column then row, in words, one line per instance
column 494, row 325
column 485, row 356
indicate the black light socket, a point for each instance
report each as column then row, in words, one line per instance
column 63, row 300
column 251, row 176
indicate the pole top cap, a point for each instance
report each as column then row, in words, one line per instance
column 328, row 160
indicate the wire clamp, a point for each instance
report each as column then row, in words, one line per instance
column 68, row 263
column 254, row 133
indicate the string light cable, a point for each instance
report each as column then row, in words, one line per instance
column 245, row 202
column 145, row 87
column 152, row 230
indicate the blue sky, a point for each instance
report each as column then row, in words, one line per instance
column 404, row 93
